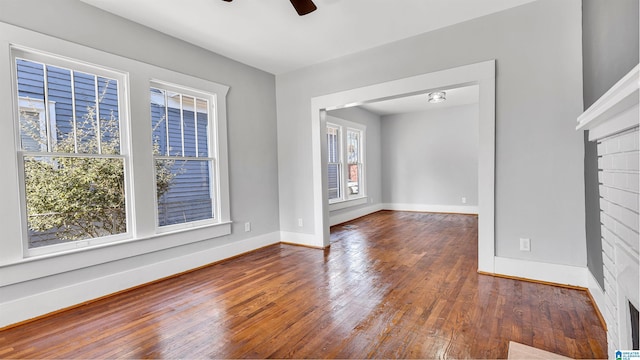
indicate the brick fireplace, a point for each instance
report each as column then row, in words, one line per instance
column 612, row 122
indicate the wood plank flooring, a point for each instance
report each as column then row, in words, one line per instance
column 392, row 285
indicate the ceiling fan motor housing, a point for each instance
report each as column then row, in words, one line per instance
column 303, row 7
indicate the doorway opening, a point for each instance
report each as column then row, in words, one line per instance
column 480, row 74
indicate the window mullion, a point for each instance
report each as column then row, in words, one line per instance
column 195, row 123
column 182, row 124
column 344, row 142
column 97, row 114
column 174, row 157
column 47, row 112
column 166, row 121
column 73, row 111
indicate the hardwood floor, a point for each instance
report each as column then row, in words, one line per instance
column 392, row 285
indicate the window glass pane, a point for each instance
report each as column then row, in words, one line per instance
column 203, row 127
column 353, row 180
column 353, row 160
column 334, row 169
column 50, row 127
column 109, row 124
column 183, row 190
column 353, row 147
column 189, row 125
column 60, row 107
column 333, row 145
column 86, row 120
column 334, row 181
column 73, row 198
column 175, row 123
column 30, row 79
column 158, row 122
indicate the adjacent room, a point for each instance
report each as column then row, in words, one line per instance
column 319, row 179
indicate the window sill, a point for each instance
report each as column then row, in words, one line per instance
column 348, row 203
column 41, row 266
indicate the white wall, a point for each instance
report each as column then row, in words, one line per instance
column 430, row 158
column 373, row 164
column 253, row 167
column 539, row 155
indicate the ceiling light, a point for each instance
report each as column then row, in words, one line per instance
column 436, row 97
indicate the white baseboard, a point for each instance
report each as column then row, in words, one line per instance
column 597, row 294
column 454, row 209
column 353, row 214
column 309, row 240
column 554, row 273
column 29, row 307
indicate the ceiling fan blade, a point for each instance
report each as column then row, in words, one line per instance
column 303, row 7
column 228, row 0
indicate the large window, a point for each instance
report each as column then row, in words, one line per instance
column 183, row 155
column 70, row 154
column 334, row 160
column 345, row 161
column 88, row 176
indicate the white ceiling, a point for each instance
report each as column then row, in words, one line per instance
column 416, row 103
column 269, row 35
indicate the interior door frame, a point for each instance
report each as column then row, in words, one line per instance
column 481, row 74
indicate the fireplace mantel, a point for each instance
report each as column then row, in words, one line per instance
column 614, row 111
column 612, row 122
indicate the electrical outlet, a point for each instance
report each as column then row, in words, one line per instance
column 247, row 226
column 464, row 200
column 300, row 223
column 525, row 244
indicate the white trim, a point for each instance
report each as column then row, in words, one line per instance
column 534, row 270
column 141, row 221
column 620, row 97
column 212, row 144
column 453, row 209
column 344, row 127
column 72, row 65
column 36, row 267
column 481, row 74
column 338, row 205
column 624, row 120
column 335, row 219
column 300, row 239
column 49, row 301
column 597, row 293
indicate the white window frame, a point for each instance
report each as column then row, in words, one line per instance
column 18, row 52
column 143, row 236
column 340, row 164
column 359, row 163
column 345, row 199
column 212, row 156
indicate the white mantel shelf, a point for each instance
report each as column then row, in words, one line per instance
column 602, row 119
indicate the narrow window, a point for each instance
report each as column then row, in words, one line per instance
column 72, row 161
column 345, row 161
column 334, row 162
column 354, row 161
column 184, row 155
